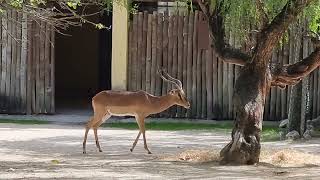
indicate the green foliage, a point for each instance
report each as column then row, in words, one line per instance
column 241, row 16
column 74, row 3
column 24, row 121
column 100, row 26
column 313, row 15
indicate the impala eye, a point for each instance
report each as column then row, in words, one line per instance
column 180, row 96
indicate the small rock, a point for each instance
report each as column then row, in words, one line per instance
column 282, row 135
column 307, row 134
column 316, row 122
column 310, row 127
column 11, row 170
column 293, row 135
column 284, row 123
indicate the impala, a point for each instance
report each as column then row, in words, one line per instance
column 139, row 104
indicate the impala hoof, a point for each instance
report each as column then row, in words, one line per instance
column 84, row 152
column 131, row 150
column 100, row 150
column 149, row 152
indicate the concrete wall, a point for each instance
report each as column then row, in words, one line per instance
column 119, row 47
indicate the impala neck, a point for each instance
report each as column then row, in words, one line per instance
column 162, row 103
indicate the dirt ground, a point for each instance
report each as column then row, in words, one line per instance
column 55, row 152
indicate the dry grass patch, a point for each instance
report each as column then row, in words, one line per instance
column 289, row 158
column 193, row 155
column 279, row 158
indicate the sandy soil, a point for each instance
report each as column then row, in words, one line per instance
column 55, row 151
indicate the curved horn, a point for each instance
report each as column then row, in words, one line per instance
column 165, row 76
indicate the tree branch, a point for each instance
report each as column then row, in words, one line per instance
column 272, row 33
column 292, row 74
column 216, row 28
column 263, row 15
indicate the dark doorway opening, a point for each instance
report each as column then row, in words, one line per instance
column 82, row 64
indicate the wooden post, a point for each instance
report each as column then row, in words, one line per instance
column 158, row 82
column 148, row 54
column 154, row 53
column 144, row 50
column 194, row 65
column 139, row 34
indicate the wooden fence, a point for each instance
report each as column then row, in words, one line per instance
column 27, row 65
column 171, row 41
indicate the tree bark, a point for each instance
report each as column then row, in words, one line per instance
column 295, row 108
column 251, row 88
column 256, row 77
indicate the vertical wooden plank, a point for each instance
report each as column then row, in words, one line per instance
column 4, row 63
column 148, row 54
column 9, row 61
column 203, row 85
column 170, row 47
column 180, row 53
column 165, row 44
column 189, row 60
column 285, row 60
column 267, row 107
column 215, row 85
column 139, row 34
column 19, row 75
column 230, row 81
column 199, row 86
column 236, row 70
column 159, row 54
column 1, row 97
column 130, row 54
column 42, row 67
column 273, row 97
column 52, row 68
column 209, row 83
column 154, row 53
column 134, row 58
column 170, row 54
column 220, row 89
column 174, row 55
column 29, row 68
column 291, row 58
column 165, row 49
column 278, row 101
column 144, row 49
column 194, row 65
column 47, row 88
column 13, row 70
column 38, row 62
column 184, row 57
column 34, row 67
column 198, row 83
column 225, row 90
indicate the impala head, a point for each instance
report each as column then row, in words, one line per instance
column 178, row 93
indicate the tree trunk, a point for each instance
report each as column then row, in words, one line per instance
column 251, row 88
column 295, row 108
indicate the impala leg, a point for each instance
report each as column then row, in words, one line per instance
column 143, row 131
column 95, row 130
column 85, row 140
column 145, row 142
column 135, row 141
